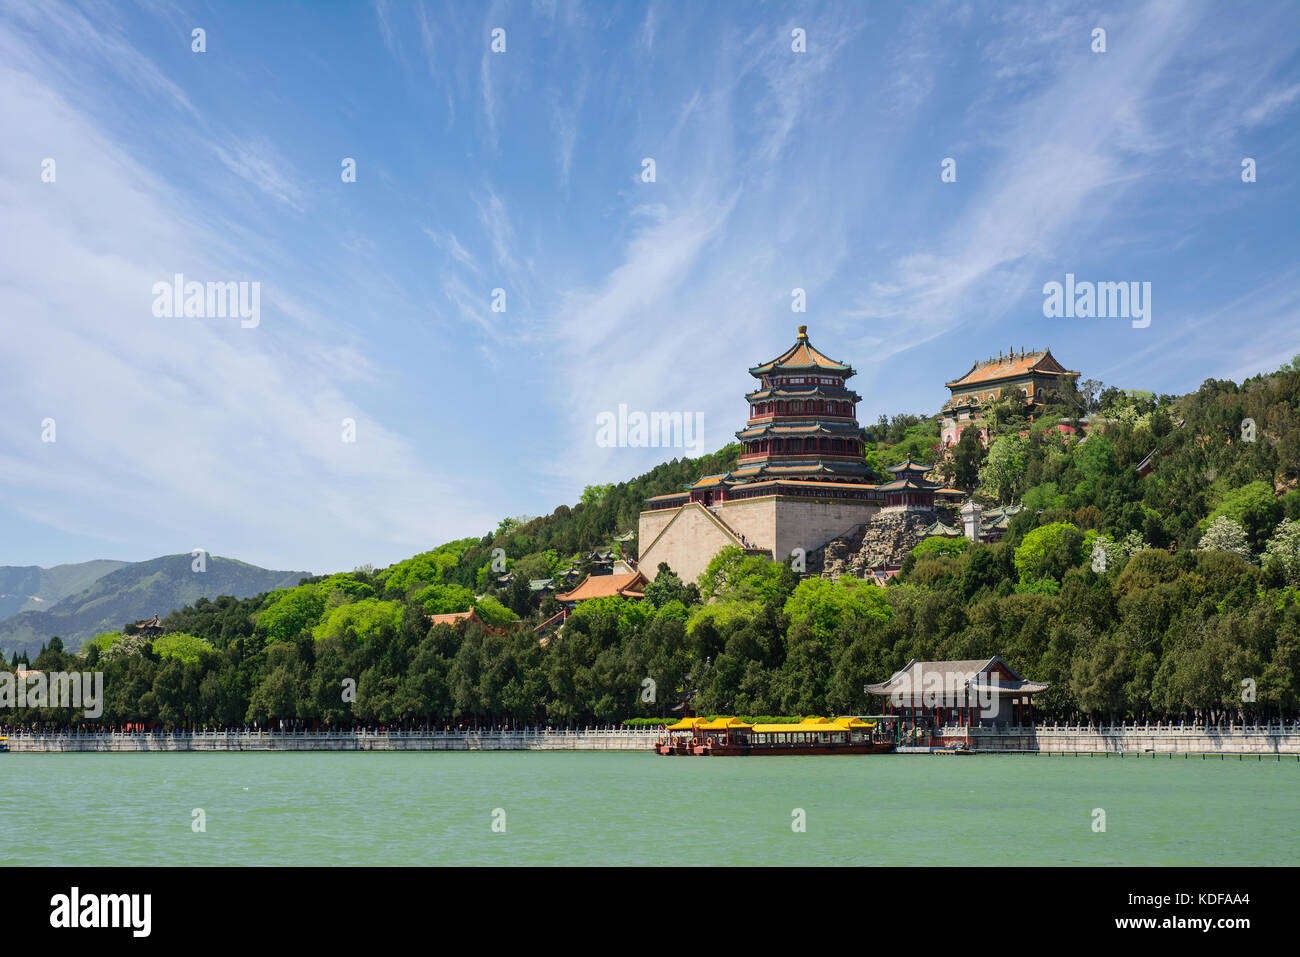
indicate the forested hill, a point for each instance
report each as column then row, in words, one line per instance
column 1153, row 571
column 134, row 591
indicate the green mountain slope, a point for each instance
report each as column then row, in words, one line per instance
column 32, row 588
column 136, row 591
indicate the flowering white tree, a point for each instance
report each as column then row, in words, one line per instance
column 1283, row 549
column 1225, row 535
column 1116, row 553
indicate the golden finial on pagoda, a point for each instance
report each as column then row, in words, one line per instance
column 803, row 332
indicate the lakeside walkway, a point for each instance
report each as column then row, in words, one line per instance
column 1275, row 739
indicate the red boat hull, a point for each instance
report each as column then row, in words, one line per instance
column 718, row 751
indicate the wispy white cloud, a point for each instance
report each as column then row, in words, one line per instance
column 449, row 244
column 1271, row 104
column 776, row 170
column 194, row 429
column 1046, row 192
column 261, row 165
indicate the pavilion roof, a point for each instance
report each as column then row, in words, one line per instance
column 907, row 465
column 912, row 681
column 939, row 528
column 899, row 485
column 452, row 618
column 607, row 586
column 802, row 357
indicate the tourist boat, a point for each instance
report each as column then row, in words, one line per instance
column 4, row 745
column 874, row 734
column 677, row 737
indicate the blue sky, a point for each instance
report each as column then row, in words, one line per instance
column 521, row 171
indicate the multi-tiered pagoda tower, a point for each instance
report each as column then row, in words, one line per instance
column 802, row 420
column 801, row 479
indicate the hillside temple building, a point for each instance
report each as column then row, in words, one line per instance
column 1034, row 375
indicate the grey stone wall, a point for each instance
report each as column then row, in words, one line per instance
column 587, row 740
column 1141, row 739
column 888, row 537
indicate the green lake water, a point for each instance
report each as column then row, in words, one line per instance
column 633, row 808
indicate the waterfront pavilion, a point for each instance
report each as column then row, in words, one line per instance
column 971, row 693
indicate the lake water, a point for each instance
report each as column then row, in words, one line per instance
column 633, row 808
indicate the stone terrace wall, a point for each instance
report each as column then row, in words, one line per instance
column 1136, row 739
column 1132, row 740
column 586, row 740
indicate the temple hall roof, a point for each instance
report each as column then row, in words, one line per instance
column 1012, row 366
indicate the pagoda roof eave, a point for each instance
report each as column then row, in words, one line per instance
column 833, row 392
column 908, row 485
column 803, row 357
column 836, row 429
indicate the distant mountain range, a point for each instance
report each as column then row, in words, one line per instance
column 76, row 602
column 31, row 588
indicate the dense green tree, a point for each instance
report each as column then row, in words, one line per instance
column 1004, row 466
column 968, row 456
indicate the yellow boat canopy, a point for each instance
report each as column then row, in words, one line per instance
column 855, row 723
column 686, row 724
column 811, row 724
column 723, row 724
column 817, row 727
